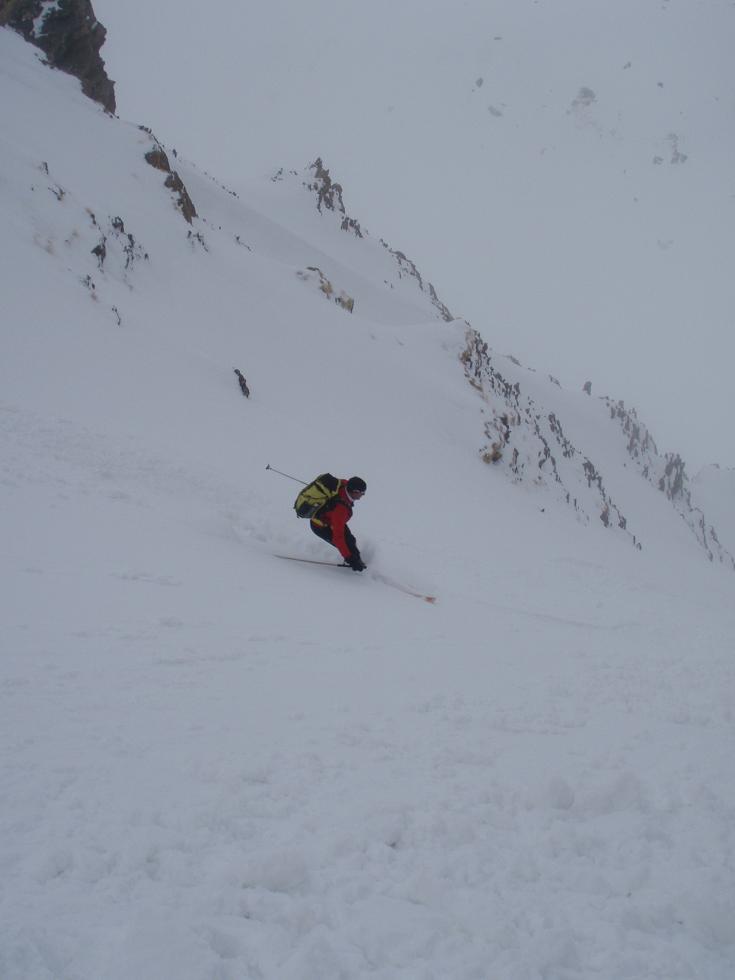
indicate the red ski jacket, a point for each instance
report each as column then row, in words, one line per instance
column 335, row 517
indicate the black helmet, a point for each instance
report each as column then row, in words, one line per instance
column 356, row 486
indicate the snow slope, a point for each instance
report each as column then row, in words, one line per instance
column 216, row 764
column 563, row 170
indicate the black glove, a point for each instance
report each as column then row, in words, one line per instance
column 356, row 563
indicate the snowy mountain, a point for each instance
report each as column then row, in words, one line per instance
column 562, row 171
column 219, row 764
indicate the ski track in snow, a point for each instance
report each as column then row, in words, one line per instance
column 460, row 812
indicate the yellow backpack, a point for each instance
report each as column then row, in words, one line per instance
column 315, row 495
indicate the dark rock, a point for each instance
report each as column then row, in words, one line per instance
column 184, row 202
column 158, row 159
column 71, row 37
column 329, row 194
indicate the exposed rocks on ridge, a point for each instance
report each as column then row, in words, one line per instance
column 329, row 198
column 158, row 158
column 325, row 286
column 668, row 474
column 527, row 439
column 531, row 443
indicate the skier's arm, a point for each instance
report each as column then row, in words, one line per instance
column 338, row 521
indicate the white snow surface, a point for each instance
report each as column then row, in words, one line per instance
column 218, row 765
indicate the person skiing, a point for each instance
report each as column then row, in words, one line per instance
column 330, row 521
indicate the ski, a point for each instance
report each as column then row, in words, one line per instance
column 378, row 576
column 313, row 561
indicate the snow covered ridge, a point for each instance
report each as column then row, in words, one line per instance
column 98, row 208
column 527, row 435
column 329, row 198
column 713, row 491
column 668, row 474
column 531, row 443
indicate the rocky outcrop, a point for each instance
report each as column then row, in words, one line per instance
column 407, row 267
column 341, row 298
column 70, row 35
column 713, row 492
column 158, row 158
column 529, row 441
column 667, row 472
column 329, row 198
column 329, row 195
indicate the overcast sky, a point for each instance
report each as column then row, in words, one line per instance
column 564, row 173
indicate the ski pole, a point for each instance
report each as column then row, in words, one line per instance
column 274, row 470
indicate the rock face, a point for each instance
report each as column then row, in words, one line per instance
column 158, row 158
column 70, row 35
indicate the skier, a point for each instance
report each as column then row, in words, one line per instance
column 330, row 522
